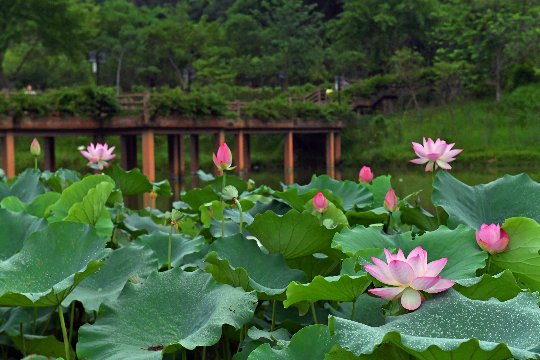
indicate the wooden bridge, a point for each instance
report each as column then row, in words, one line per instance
column 129, row 126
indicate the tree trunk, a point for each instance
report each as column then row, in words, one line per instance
column 177, row 70
column 498, row 69
column 118, row 69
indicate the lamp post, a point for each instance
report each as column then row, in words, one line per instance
column 337, row 81
column 189, row 74
column 95, row 62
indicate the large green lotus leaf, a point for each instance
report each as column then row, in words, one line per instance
column 133, row 182
column 43, row 345
column 197, row 197
column 73, row 195
column 451, row 326
column 106, row 285
column 36, row 208
column 293, row 235
column 164, row 186
column 230, row 254
column 313, row 265
column 459, row 246
column 211, row 210
column 338, row 288
column 522, row 256
column 138, row 225
column 239, row 184
column 279, row 207
column 379, row 188
column 61, row 179
column 90, row 208
column 231, row 228
column 170, row 309
column 418, row 217
column 234, row 215
column 291, row 315
column 502, row 286
column 298, row 201
column 367, row 218
column 351, row 193
column 383, row 352
column 27, row 187
column 15, row 227
column 181, row 246
column 504, row 198
column 39, row 357
column 337, row 217
column 310, row 343
column 51, row 263
column 368, row 310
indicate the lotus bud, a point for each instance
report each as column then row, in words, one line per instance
column 35, row 149
column 492, row 238
column 223, row 160
column 365, row 175
column 229, row 193
column 319, row 203
column 390, row 201
column 250, row 184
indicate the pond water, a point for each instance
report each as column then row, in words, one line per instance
column 405, row 180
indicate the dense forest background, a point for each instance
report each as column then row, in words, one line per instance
column 478, row 47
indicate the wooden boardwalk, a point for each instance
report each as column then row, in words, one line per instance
column 128, row 127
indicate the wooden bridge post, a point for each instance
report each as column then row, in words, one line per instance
column 148, row 160
column 330, row 154
column 247, row 155
column 289, row 157
column 99, row 138
column 239, row 152
column 219, row 138
column 194, row 159
column 176, row 162
column 337, row 151
column 128, row 151
column 48, row 154
column 8, row 154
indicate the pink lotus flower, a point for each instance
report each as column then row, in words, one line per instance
column 98, row 155
column 492, row 238
column 365, row 175
column 319, row 203
column 223, row 160
column 410, row 276
column 436, row 153
column 35, row 149
column 390, row 201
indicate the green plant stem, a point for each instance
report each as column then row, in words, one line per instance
column 71, row 317
column 22, row 339
column 436, row 210
column 274, row 310
column 227, row 348
column 313, row 312
column 64, row 331
column 389, row 224
column 35, row 322
column 239, row 208
column 204, row 352
column 170, row 247
column 488, row 263
column 353, row 309
column 184, row 354
column 240, row 340
column 48, row 321
column 222, row 209
column 35, row 163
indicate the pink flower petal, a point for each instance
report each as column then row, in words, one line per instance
column 400, row 256
column 389, row 256
column 401, row 272
column 444, row 165
column 429, row 166
column 388, row 293
column 411, row 299
column 435, row 267
column 380, row 275
column 416, row 264
column 424, row 282
column 441, row 285
column 420, row 161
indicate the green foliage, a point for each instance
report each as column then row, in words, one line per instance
column 176, row 103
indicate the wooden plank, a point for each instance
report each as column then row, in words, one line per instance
column 337, row 148
column 8, row 154
column 247, row 155
column 239, row 152
column 128, row 151
column 148, row 161
column 174, row 160
column 289, row 157
column 48, row 154
column 330, row 154
column 219, row 138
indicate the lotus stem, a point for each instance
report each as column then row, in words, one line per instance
column 35, row 322
column 71, row 317
column 170, row 247
column 222, row 210
column 488, row 263
column 22, row 339
column 48, row 321
column 240, row 340
column 313, row 312
column 436, row 210
column 204, row 352
column 274, row 310
column 389, row 227
column 64, row 331
column 227, row 348
column 353, row 309
column 241, row 222
column 35, row 163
